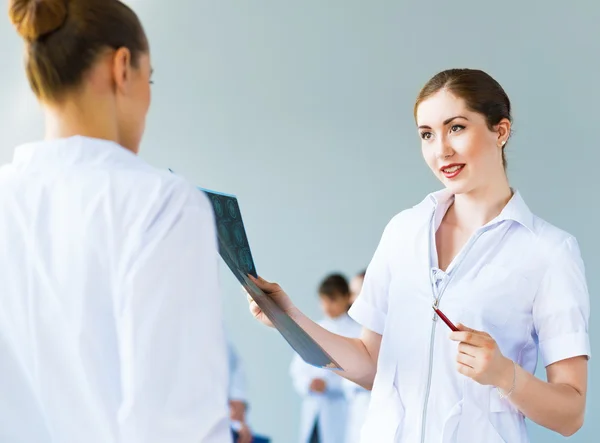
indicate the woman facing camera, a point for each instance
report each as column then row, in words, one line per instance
column 513, row 284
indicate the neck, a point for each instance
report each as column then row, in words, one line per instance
column 86, row 117
column 335, row 317
column 478, row 207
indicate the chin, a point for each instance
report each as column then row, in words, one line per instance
column 458, row 187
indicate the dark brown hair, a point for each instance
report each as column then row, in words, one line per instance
column 64, row 38
column 333, row 286
column 481, row 93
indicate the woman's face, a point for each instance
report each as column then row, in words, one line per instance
column 459, row 148
column 133, row 102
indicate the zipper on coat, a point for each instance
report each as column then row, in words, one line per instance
column 437, row 298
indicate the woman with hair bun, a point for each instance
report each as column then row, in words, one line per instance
column 108, row 280
column 513, row 284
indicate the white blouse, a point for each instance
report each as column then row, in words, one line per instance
column 111, row 326
column 518, row 278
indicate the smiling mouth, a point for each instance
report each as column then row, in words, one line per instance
column 452, row 169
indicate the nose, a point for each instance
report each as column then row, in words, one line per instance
column 444, row 148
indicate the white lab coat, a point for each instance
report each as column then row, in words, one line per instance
column 237, row 375
column 237, row 379
column 358, row 405
column 110, row 327
column 331, row 407
column 518, row 278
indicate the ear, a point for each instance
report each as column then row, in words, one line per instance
column 503, row 131
column 121, row 69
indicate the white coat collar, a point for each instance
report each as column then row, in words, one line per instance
column 71, row 150
column 516, row 209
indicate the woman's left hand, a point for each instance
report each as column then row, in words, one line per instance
column 479, row 357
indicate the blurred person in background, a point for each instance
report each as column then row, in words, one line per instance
column 324, row 405
column 238, row 396
column 358, row 397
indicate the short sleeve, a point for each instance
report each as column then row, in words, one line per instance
column 561, row 308
column 371, row 306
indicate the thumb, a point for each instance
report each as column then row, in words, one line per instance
column 265, row 285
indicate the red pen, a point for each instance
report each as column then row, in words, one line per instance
column 445, row 319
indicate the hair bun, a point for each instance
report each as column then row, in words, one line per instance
column 36, row 18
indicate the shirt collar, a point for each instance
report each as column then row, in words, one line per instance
column 516, row 209
column 70, row 151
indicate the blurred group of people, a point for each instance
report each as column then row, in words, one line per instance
column 333, row 408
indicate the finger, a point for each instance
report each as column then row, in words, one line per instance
column 466, row 360
column 474, row 338
column 462, row 327
column 465, row 369
column 468, row 349
column 251, row 302
column 254, row 308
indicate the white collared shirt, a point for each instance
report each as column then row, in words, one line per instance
column 518, row 278
column 110, row 327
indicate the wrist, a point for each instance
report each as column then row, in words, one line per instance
column 507, row 375
column 294, row 313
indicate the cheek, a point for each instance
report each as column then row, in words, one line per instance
column 428, row 153
column 145, row 96
column 470, row 146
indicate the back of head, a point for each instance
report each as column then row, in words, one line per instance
column 64, row 38
column 480, row 92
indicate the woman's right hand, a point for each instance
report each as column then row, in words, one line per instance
column 274, row 291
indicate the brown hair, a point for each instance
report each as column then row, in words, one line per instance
column 481, row 93
column 64, row 38
column 333, row 286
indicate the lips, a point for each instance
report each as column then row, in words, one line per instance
column 451, row 171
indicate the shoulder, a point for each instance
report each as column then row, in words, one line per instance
column 411, row 219
column 551, row 240
column 157, row 193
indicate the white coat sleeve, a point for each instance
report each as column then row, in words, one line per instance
column 561, row 307
column 172, row 344
column 237, row 376
column 370, row 307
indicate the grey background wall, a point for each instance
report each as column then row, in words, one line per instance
column 304, row 109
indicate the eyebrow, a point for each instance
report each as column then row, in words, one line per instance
column 448, row 120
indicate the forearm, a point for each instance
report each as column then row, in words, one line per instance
column 350, row 353
column 556, row 406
